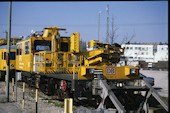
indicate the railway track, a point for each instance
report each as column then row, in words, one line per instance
column 30, row 90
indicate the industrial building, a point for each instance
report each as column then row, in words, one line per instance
column 148, row 55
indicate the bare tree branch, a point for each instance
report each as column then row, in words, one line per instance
column 113, row 35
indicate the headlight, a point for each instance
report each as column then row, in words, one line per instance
column 12, row 65
column 120, row 84
column 132, row 71
column 90, row 71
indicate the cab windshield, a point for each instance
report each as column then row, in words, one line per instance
column 42, row 45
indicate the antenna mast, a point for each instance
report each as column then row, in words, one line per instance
column 107, row 31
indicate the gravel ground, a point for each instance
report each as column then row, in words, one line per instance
column 161, row 80
column 44, row 105
column 54, row 106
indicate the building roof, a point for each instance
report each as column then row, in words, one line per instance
column 5, row 47
column 14, row 40
column 146, row 43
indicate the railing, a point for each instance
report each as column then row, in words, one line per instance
column 50, row 62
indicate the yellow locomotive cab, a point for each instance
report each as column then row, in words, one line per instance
column 3, row 62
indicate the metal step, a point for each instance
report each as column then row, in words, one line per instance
column 134, row 88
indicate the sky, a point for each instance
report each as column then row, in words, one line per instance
column 145, row 21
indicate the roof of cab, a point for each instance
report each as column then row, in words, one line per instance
column 5, row 47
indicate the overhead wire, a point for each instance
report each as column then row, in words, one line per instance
column 85, row 25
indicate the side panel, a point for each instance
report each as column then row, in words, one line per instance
column 0, row 59
column 3, row 64
column 24, row 62
column 35, row 64
column 74, row 41
column 24, row 56
column 109, row 72
column 26, row 49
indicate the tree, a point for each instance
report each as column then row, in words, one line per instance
column 83, row 46
column 113, row 35
column 127, row 39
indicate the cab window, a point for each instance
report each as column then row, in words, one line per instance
column 64, row 47
column 2, row 55
column 27, row 48
column 42, row 45
column 19, row 49
column 12, row 56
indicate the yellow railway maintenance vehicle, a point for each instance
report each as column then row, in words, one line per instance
column 3, row 63
column 3, row 51
column 65, row 71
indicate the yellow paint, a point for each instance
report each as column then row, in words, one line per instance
column 3, row 64
column 24, row 61
column 122, row 72
column 68, row 105
column 75, row 42
column 23, row 103
column 92, row 43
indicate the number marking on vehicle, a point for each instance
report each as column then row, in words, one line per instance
column 110, row 70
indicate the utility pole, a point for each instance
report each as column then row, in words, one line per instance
column 13, row 41
column 113, row 35
column 6, row 33
column 113, row 32
column 107, row 31
column 99, row 27
column 8, row 52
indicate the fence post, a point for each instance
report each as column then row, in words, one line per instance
column 16, row 86
column 5, row 84
column 68, row 105
column 13, row 87
column 23, row 101
column 36, row 95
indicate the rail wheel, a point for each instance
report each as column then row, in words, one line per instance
column 47, row 85
column 62, row 90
